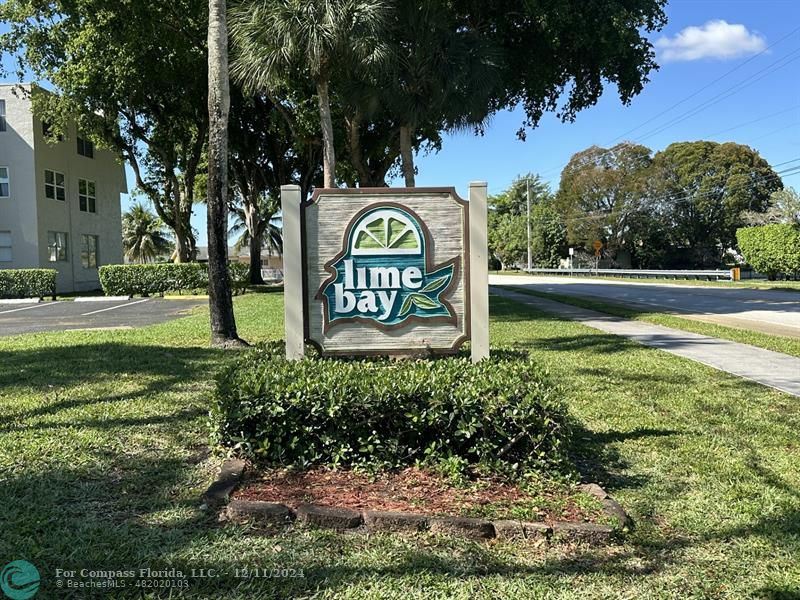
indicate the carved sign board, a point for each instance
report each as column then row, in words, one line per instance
column 384, row 271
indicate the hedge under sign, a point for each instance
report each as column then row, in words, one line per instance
column 382, row 271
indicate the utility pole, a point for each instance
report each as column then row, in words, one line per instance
column 528, row 197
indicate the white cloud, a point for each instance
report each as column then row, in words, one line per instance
column 716, row 39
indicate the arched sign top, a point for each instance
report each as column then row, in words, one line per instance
column 386, row 231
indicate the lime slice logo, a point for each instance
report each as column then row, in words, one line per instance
column 383, row 275
column 385, row 231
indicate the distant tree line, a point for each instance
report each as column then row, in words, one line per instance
column 678, row 208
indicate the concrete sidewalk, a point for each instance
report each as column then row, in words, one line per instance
column 773, row 369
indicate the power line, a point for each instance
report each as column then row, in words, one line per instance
column 774, row 131
column 718, row 98
column 731, row 91
column 708, row 85
column 775, row 114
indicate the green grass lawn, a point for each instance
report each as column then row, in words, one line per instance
column 759, row 284
column 776, row 343
column 103, row 457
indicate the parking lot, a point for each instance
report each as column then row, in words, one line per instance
column 97, row 314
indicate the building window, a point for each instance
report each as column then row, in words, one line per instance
column 86, row 197
column 85, row 148
column 54, row 186
column 2, row 115
column 5, row 183
column 57, row 245
column 5, row 247
column 89, row 251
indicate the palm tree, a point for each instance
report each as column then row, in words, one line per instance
column 274, row 38
column 257, row 225
column 220, row 301
column 144, row 235
column 440, row 73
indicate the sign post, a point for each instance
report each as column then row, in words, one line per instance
column 598, row 246
column 292, row 272
column 479, row 270
column 386, row 271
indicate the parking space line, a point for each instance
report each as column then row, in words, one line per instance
column 94, row 312
column 42, row 305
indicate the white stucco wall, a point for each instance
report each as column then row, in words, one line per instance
column 30, row 215
column 18, row 213
column 54, row 215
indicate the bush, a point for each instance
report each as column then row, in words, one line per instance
column 27, row 283
column 149, row 279
column 502, row 414
column 771, row 249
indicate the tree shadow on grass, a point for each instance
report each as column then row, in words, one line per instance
column 598, row 460
column 109, row 511
column 129, row 508
column 101, row 503
column 81, row 363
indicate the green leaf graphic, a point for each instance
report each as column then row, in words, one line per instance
column 405, row 307
column 435, row 284
column 423, row 302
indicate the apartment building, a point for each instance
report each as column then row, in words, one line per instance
column 59, row 201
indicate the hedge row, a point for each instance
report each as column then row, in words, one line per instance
column 503, row 413
column 771, row 249
column 27, row 283
column 150, row 279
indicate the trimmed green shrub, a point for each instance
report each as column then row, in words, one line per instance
column 27, row 283
column 501, row 414
column 149, row 279
column 771, row 249
column 240, row 276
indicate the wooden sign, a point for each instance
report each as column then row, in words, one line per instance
column 385, row 271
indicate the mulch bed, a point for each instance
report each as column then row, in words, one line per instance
column 411, row 490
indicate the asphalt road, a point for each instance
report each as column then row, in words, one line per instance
column 769, row 311
column 100, row 314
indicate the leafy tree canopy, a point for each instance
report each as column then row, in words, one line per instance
column 601, row 191
column 702, row 188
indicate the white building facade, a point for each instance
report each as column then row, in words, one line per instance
column 59, row 201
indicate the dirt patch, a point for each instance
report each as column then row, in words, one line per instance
column 418, row 491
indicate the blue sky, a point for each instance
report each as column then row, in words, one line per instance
column 757, row 104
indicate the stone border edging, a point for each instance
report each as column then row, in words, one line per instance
column 375, row 521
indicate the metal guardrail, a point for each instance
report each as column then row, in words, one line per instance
column 639, row 273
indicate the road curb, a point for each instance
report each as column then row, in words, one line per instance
column 13, row 301
column 102, row 298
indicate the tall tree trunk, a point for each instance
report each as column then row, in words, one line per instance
column 356, row 154
column 328, row 153
column 223, row 324
column 252, row 221
column 407, row 155
column 185, row 244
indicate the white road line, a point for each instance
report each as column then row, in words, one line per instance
column 42, row 305
column 94, row 312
